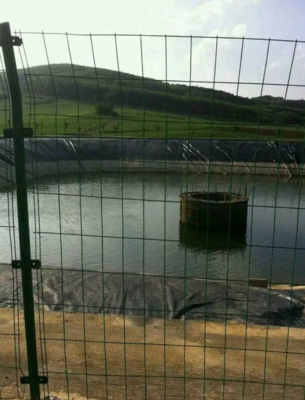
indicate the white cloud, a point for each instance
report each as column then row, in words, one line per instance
column 219, row 14
column 208, row 9
column 239, row 30
column 274, row 65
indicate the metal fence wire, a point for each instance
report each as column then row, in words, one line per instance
column 151, row 217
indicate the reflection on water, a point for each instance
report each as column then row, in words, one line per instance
column 200, row 239
column 131, row 222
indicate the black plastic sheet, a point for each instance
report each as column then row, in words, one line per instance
column 226, row 150
column 158, row 297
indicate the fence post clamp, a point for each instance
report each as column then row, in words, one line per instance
column 8, row 133
column 24, row 380
column 36, row 264
column 11, row 41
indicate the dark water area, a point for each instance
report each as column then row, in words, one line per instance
column 131, row 223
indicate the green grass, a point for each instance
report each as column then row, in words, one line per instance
column 67, row 118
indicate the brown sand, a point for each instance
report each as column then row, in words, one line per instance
column 174, row 359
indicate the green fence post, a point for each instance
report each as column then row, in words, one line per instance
column 7, row 41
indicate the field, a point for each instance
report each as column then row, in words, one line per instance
column 181, row 360
column 68, row 118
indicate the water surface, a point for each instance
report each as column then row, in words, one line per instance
column 130, row 223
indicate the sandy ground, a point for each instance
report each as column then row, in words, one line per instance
column 180, row 360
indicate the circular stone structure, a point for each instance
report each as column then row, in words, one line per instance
column 214, row 210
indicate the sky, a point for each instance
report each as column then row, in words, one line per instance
column 188, row 59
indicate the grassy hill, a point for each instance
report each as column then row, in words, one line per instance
column 61, row 100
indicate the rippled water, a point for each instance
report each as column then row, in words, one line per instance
column 107, row 232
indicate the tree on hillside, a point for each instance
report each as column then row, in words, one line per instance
column 288, row 118
column 66, row 126
column 36, row 126
column 105, row 109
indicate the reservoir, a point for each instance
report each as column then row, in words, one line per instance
column 130, row 222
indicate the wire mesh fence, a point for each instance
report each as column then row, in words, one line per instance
column 133, row 301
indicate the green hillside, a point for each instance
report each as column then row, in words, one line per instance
column 62, row 100
column 132, row 91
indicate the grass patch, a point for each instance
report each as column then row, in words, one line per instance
column 69, row 118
